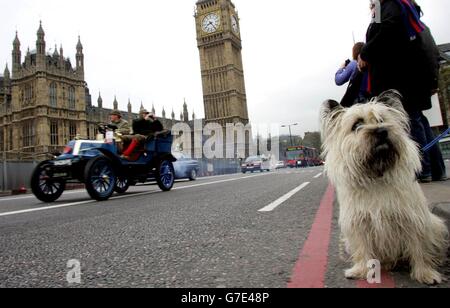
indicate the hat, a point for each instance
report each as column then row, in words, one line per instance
column 116, row 113
column 144, row 111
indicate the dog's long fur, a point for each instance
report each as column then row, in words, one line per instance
column 373, row 163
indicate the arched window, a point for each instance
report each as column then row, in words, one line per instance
column 52, row 94
column 27, row 95
column 72, row 98
column 22, row 97
column 28, row 134
column 54, row 136
column 72, row 130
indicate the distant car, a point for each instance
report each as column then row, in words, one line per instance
column 185, row 167
column 256, row 163
column 280, row 165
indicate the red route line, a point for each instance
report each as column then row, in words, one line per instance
column 311, row 267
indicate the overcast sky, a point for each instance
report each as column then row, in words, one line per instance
column 146, row 50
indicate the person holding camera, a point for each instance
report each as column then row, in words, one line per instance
column 146, row 126
column 349, row 69
column 349, row 73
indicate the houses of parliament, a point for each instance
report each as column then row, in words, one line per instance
column 45, row 100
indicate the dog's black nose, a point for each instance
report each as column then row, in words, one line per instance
column 382, row 133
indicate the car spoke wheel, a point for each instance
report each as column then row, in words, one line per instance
column 165, row 175
column 43, row 186
column 122, row 185
column 100, row 179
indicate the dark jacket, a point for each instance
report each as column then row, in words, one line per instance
column 393, row 59
column 146, row 127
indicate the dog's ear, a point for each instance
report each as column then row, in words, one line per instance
column 328, row 107
column 330, row 113
column 391, row 98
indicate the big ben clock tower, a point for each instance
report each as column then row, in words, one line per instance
column 219, row 43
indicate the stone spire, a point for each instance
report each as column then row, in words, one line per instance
column 28, row 58
column 55, row 52
column 6, row 73
column 100, row 100
column 40, row 43
column 80, row 59
column 61, row 57
column 16, row 55
column 130, row 107
column 130, row 112
column 115, row 103
column 16, row 42
column 185, row 112
column 164, row 113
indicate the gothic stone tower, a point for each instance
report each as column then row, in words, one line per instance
column 219, row 43
column 48, row 100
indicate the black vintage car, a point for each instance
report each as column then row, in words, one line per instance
column 99, row 166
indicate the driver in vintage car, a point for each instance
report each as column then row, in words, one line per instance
column 123, row 127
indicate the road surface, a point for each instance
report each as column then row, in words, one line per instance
column 268, row 230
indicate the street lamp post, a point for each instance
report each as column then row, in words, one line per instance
column 290, row 131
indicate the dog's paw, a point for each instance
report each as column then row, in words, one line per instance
column 356, row 272
column 427, row 276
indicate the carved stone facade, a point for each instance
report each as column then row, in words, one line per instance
column 45, row 102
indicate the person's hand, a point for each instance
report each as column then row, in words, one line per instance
column 362, row 65
column 344, row 65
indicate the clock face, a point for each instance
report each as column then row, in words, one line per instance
column 211, row 23
column 234, row 24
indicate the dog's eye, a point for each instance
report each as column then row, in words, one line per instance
column 358, row 124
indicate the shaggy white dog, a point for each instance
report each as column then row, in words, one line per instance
column 373, row 163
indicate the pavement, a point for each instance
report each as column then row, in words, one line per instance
column 268, row 230
column 438, row 195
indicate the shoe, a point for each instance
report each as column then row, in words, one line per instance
column 441, row 179
column 132, row 158
column 425, row 179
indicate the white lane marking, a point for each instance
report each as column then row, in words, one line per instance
column 67, row 205
column 283, row 199
column 33, row 197
column 222, row 181
column 124, row 196
column 318, row 176
column 43, row 208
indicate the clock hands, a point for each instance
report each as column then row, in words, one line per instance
column 212, row 24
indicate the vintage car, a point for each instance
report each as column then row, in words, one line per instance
column 103, row 171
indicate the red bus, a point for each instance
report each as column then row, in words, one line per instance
column 302, row 157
